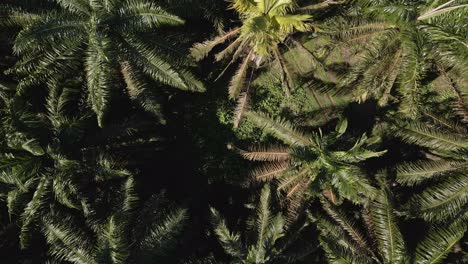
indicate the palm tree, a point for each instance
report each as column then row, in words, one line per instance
column 443, row 172
column 107, row 39
column 130, row 234
column 400, row 45
column 267, row 239
column 265, row 25
column 43, row 160
column 375, row 237
column 313, row 163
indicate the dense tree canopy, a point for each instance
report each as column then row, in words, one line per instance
column 342, row 136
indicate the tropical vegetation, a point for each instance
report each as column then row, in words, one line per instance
column 300, row 131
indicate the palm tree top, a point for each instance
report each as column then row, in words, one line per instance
column 313, row 163
column 269, row 22
column 267, row 239
column 106, row 39
column 375, row 237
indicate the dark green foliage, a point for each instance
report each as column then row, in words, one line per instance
column 44, row 159
column 446, row 167
column 267, row 238
column 130, row 234
column 398, row 47
column 106, row 39
column 354, row 112
column 375, row 236
column 312, row 162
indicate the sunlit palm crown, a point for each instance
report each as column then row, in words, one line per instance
column 266, row 23
column 107, row 37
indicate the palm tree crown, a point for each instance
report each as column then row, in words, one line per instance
column 265, row 25
column 267, row 240
column 374, row 237
column 312, row 163
column 130, row 234
column 43, row 159
column 399, row 44
column 107, row 37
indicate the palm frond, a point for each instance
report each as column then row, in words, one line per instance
column 130, row 201
column 65, row 192
column 242, row 105
column 235, row 47
column 359, row 30
column 143, row 15
column 268, row 226
column 79, row 7
column 337, row 253
column 439, row 242
column 99, row 75
column 441, row 201
column 279, row 128
column 67, row 242
column 201, row 50
column 47, row 33
column 414, row 68
column 157, row 67
column 163, row 236
column 440, row 10
column 270, row 171
column 113, row 241
column 417, row 133
column 231, row 242
column 276, row 153
column 238, row 81
column 138, row 91
column 390, row 240
column 290, row 23
column 14, row 16
column 414, row 173
column 31, row 213
column 246, row 6
column 353, row 185
column 348, row 225
column 286, row 74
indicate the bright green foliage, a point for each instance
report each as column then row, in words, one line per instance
column 267, row 239
column 131, row 234
column 375, row 236
column 313, row 162
column 107, row 40
column 265, row 25
column 446, row 170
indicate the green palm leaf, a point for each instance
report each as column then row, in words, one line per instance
column 419, row 134
column 230, row 241
column 443, row 200
column 390, row 240
column 281, row 129
column 413, row 173
column 439, row 242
